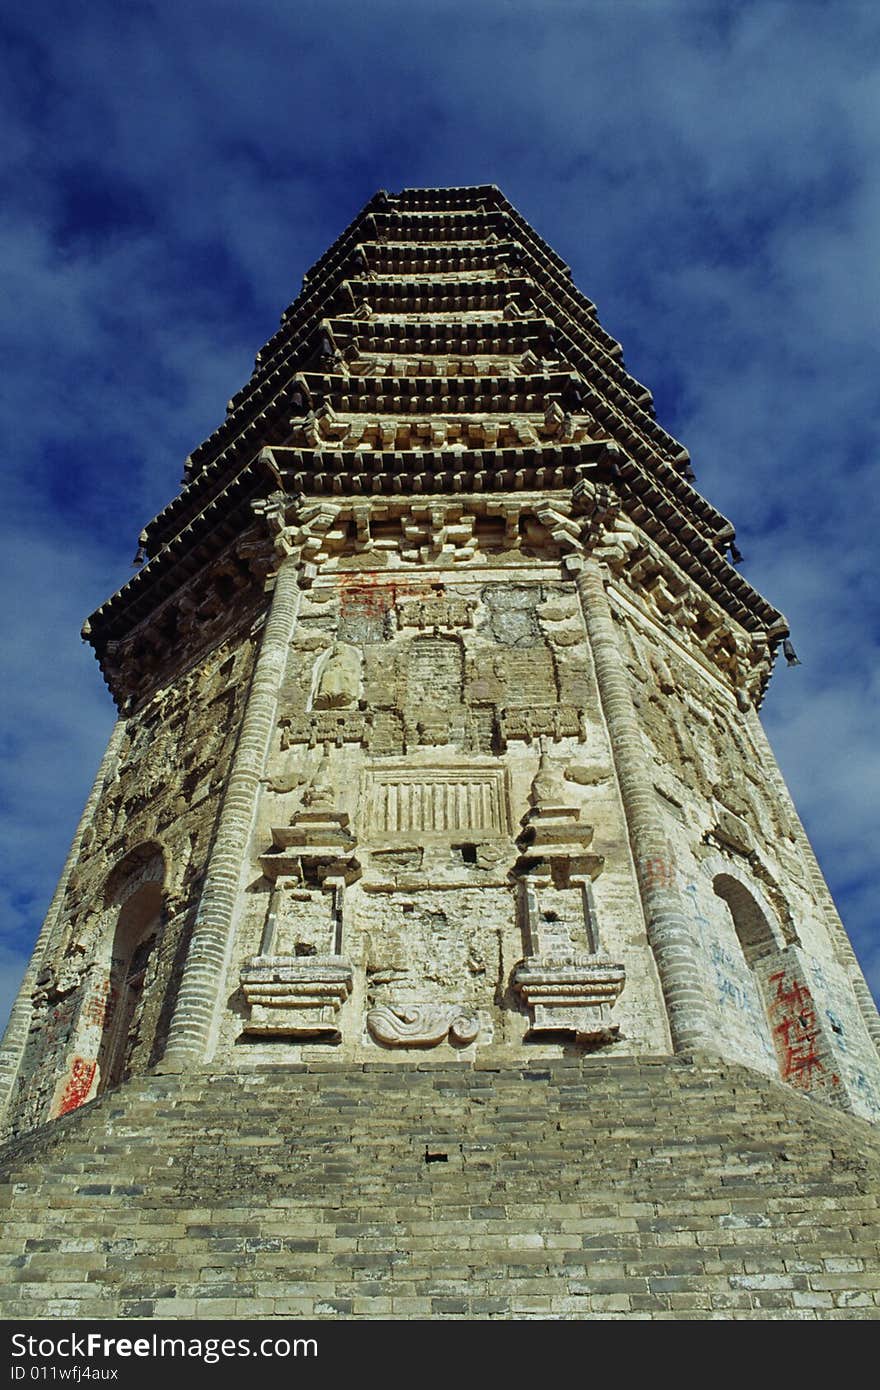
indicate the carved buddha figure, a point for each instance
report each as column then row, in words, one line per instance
column 340, row 679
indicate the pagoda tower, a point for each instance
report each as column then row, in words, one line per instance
column 438, row 698
column 438, row 738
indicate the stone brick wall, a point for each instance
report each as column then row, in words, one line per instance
column 743, row 867
column 447, row 770
column 152, row 822
column 598, row 1188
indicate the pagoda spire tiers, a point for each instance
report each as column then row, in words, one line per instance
column 440, row 350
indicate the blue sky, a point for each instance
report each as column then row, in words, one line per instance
column 710, row 171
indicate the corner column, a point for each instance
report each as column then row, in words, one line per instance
column 193, row 1026
column 668, row 928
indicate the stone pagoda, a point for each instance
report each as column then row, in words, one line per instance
column 438, row 755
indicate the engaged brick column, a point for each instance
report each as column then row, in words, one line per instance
column 192, row 1031
column 15, row 1037
column 839, row 938
column 669, row 933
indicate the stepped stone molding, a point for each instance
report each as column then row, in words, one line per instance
column 296, row 998
column 316, row 845
column 571, row 996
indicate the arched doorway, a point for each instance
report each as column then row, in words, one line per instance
column 762, row 945
column 753, row 931
column 127, row 923
column 137, row 929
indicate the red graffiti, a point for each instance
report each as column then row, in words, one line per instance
column 366, row 597
column 373, row 597
column 658, row 873
column 97, row 1008
column 796, row 1034
column 79, row 1083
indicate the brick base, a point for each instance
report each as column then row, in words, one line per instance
column 594, row 1188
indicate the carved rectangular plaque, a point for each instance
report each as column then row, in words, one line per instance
column 443, row 802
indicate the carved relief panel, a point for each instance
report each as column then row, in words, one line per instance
column 435, row 701
column 406, row 803
column 697, row 736
column 433, row 964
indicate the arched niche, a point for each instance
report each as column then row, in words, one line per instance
column 764, row 947
column 803, row 1044
column 126, row 924
column 143, row 864
column 751, row 922
column 132, row 920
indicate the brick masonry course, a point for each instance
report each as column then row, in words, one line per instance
column 597, row 1189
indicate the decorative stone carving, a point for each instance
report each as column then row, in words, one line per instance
column 587, row 775
column 598, row 501
column 299, row 995
column 318, row 843
column 566, row 989
column 402, row 801
column 299, row 998
column 284, row 782
column 552, row 829
column 318, row 795
column 443, row 532
column 335, row 726
column 574, row 996
column 547, row 787
column 436, row 611
column 339, row 684
column 422, row 1025
column 616, row 543
column 526, row 722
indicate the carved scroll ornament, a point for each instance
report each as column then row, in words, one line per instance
column 422, row 1025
